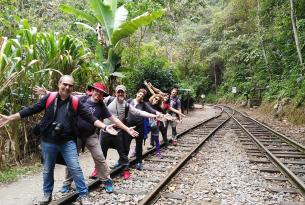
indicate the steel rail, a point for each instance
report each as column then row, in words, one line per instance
column 116, row 172
column 150, row 199
column 284, row 169
column 286, row 139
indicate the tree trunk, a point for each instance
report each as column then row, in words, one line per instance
column 261, row 39
column 295, row 34
column 215, row 77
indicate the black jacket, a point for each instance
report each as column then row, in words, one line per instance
column 45, row 124
column 133, row 120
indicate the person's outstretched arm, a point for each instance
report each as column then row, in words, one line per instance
column 25, row 112
column 120, row 124
column 41, row 91
column 176, row 111
column 148, row 85
column 7, row 119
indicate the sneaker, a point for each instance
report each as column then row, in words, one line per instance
column 166, row 143
column 108, row 186
column 84, row 200
column 174, row 142
column 94, row 174
column 65, row 189
column 116, row 165
column 126, row 174
column 139, row 166
column 46, row 199
column 159, row 155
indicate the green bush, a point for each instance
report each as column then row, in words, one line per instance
column 148, row 65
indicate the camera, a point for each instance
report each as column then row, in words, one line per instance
column 57, row 128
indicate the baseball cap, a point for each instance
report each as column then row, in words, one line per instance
column 120, row 87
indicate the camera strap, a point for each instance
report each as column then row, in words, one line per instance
column 55, row 106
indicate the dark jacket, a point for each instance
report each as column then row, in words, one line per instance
column 133, row 120
column 45, row 124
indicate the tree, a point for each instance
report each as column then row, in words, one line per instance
column 295, row 34
column 112, row 21
column 33, row 58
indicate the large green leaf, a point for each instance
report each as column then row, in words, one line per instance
column 104, row 15
column 112, row 3
column 86, row 26
column 120, row 17
column 79, row 14
column 99, row 53
column 128, row 28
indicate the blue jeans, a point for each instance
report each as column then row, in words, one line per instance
column 69, row 152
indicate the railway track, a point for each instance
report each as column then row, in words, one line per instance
column 157, row 169
column 274, row 152
column 275, row 160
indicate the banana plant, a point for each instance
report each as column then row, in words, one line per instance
column 111, row 26
column 36, row 58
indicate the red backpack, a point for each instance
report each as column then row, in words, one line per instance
column 53, row 95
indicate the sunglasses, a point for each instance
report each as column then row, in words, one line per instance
column 68, row 85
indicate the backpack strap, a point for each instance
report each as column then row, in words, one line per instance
column 111, row 98
column 126, row 110
column 74, row 103
column 51, row 98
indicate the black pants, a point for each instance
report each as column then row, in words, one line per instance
column 115, row 142
column 139, row 143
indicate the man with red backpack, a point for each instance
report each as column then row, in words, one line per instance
column 58, row 130
column 87, row 135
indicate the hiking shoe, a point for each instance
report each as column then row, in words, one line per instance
column 108, row 186
column 139, row 166
column 116, row 165
column 46, row 199
column 166, row 143
column 65, row 189
column 159, row 155
column 94, row 174
column 126, row 174
column 84, row 200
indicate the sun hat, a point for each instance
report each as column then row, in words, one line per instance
column 100, row 87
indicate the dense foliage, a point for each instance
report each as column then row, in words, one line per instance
column 254, row 45
column 147, row 65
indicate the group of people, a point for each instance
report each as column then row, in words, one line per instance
column 70, row 122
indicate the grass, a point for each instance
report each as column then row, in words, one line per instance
column 266, row 108
column 294, row 115
column 11, row 174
